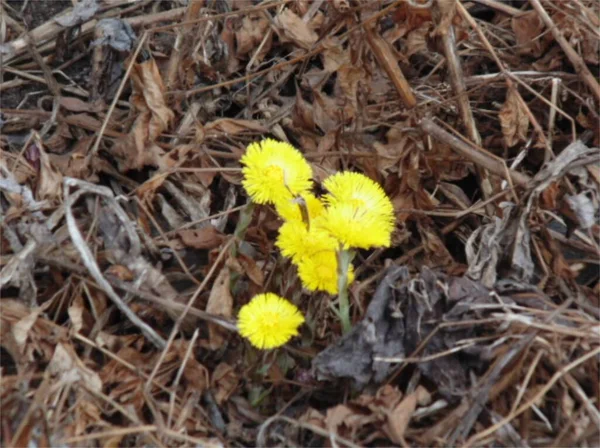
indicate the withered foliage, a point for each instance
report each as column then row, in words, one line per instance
column 128, row 245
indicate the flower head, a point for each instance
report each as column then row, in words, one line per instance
column 296, row 241
column 274, row 172
column 319, row 272
column 269, row 321
column 291, row 210
column 358, row 212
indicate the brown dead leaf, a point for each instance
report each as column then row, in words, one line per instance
column 138, row 148
column 59, row 140
column 416, row 40
column 220, row 302
column 528, row 28
column 224, row 382
column 253, row 272
column 79, row 316
column 66, row 364
column 513, row 119
column 349, row 78
column 295, row 29
column 76, row 105
column 250, row 35
column 437, row 253
column 334, row 55
column 121, row 272
column 399, row 417
column 148, row 188
column 205, row 238
column 49, row 184
column 303, row 113
column 194, row 373
column 231, row 126
column 149, row 94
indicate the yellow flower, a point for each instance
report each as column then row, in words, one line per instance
column 296, row 242
column 358, row 212
column 319, row 272
column 274, row 172
column 269, row 321
column 290, row 210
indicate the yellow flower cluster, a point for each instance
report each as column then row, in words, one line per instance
column 355, row 213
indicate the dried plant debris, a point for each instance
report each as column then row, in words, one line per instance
column 129, row 244
column 410, row 316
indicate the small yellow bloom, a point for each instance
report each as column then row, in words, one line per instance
column 358, row 213
column 274, row 172
column 296, row 241
column 269, row 321
column 291, row 210
column 319, row 272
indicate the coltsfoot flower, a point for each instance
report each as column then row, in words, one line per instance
column 269, row 321
column 296, row 241
column 274, row 172
column 358, row 213
column 291, row 210
column 319, row 272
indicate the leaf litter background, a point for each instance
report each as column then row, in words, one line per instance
column 128, row 245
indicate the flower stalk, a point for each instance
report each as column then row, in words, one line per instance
column 344, row 259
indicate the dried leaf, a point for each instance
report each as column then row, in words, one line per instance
column 295, row 29
column 528, row 29
column 220, row 302
column 399, row 417
column 66, row 364
column 250, row 35
column 232, row 126
column 205, row 238
column 252, row 270
column 513, row 119
column 49, row 184
column 76, row 105
column 224, row 381
column 138, row 149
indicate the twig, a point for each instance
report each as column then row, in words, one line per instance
column 94, row 149
column 486, row 43
column 49, row 30
column 187, row 308
column 535, row 399
column 578, row 63
column 385, row 57
column 443, row 14
column 478, row 157
column 88, row 258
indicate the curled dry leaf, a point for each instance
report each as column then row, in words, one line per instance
column 228, row 126
column 250, row 35
column 513, row 119
column 224, row 381
column 138, row 149
column 66, row 364
column 251, row 268
column 399, row 417
column 49, row 184
column 205, row 238
column 295, row 29
column 220, row 302
column 528, row 29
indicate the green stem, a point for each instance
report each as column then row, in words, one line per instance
column 344, row 258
